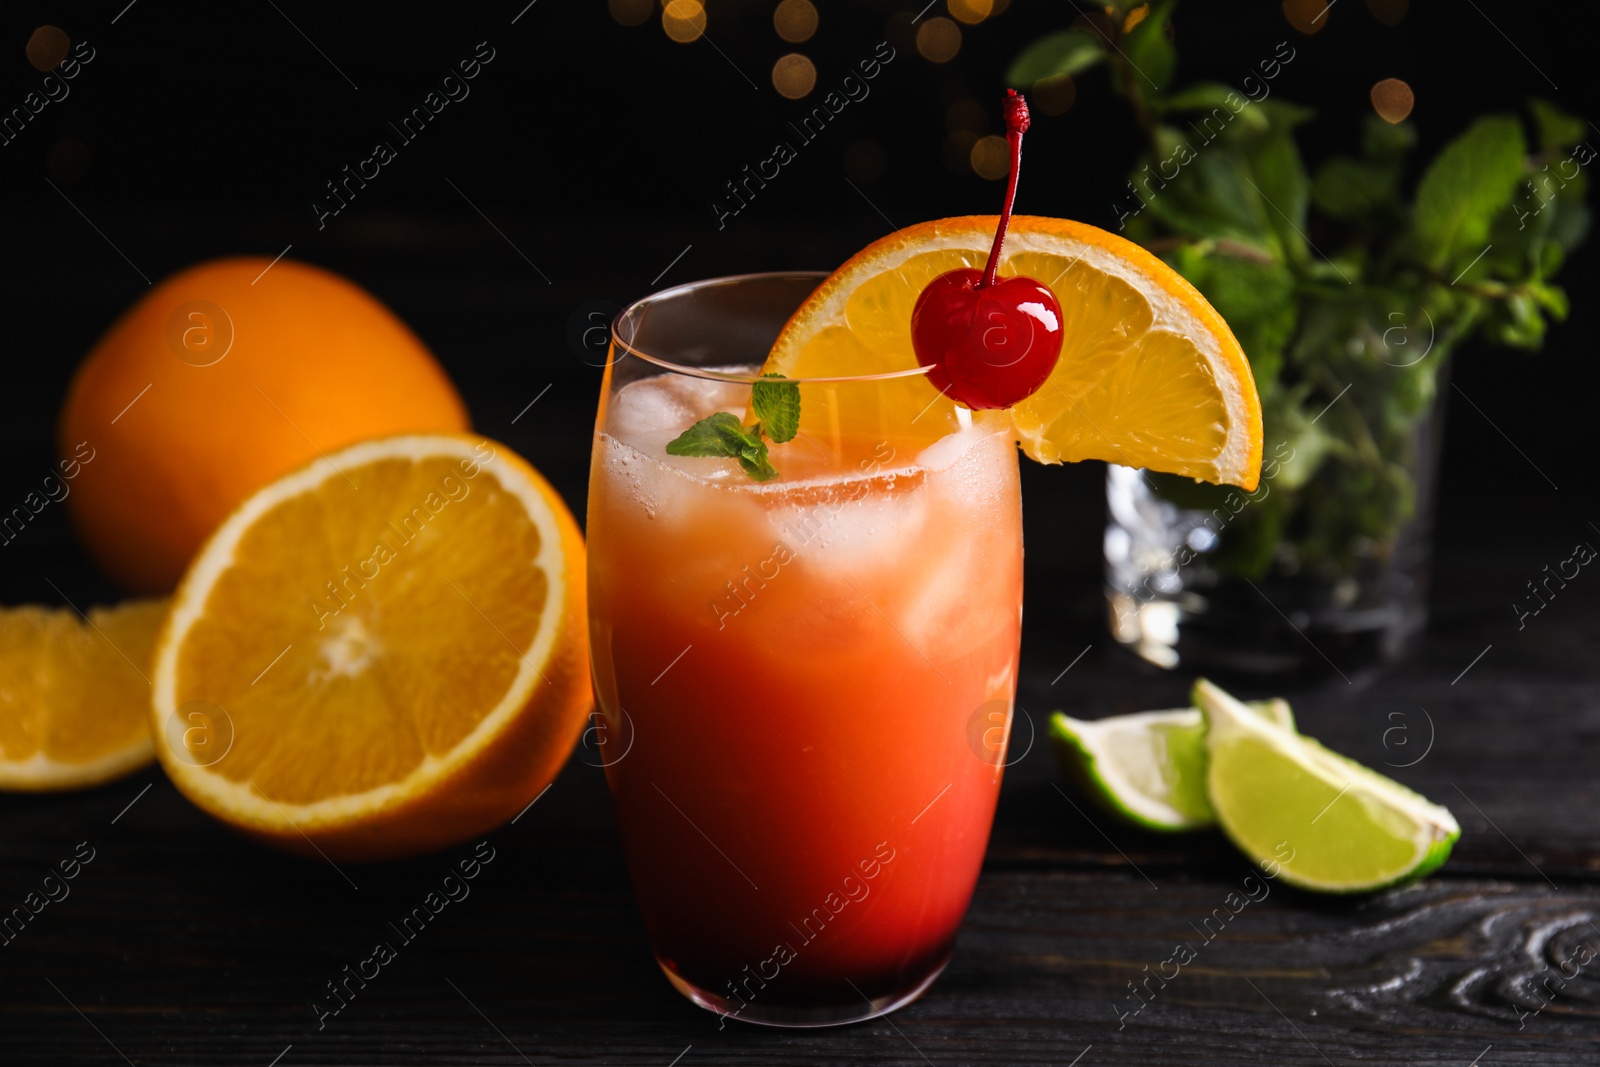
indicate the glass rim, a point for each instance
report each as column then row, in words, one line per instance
column 725, row 376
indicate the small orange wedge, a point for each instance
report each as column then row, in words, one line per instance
column 379, row 654
column 75, row 694
column 1149, row 376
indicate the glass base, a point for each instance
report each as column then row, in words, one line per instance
column 1227, row 634
column 859, row 1010
column 1175, row 600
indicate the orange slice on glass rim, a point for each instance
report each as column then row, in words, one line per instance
column 1149, row 376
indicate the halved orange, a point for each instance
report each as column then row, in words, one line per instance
column 1150, row 375
column 75, row 694
column 381, row 653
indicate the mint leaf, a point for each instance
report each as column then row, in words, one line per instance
column 1515, row 321
column 1202, row 96
column 1557, row 129
column 753, row 459
column 722, row 434
column 1208, row 199
column 1469, row 182
column 1385, row 142
column 718, row 434
column 1218, row 101
column 1552, row 298
column 1148, row 51
column 1568, row 229
column 1280, row 180
column 1255, row 297
column 777, row 404
column 1356, row 190
column 1069, row 52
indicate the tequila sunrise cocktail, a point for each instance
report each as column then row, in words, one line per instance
column 805, row 576
column 801, row 678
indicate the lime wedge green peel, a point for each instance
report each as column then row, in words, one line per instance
column 1322, row 821
column 1150, row 768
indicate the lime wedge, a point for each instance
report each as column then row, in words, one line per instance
column 1322, row 821
column 1150, row 768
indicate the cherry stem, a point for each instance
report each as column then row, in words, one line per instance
column 1017, row 122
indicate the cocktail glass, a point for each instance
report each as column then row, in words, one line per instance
column 804, row 685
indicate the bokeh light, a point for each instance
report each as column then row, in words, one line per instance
column 938, row 40
column 1054, row 96
column 865, row 161
column 684, row 20
column 794, row 76
column 1389, row 12
column 48, row 47
column 631, row 12
column 1393, row 100
column 971, row 12
column 1307, row 16
column 795, row 20
column 991, row 157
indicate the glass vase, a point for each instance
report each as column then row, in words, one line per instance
column 1321, row 571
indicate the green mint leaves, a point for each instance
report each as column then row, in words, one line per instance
column 1404, row 270
column 777, row 405
column 721, row 434
column 1473, row 179
column 716, row 435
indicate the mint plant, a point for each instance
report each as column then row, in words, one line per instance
column 1348, row 284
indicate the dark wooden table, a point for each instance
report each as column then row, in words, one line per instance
column 181, row 943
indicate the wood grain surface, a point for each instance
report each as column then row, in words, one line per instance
column 181, row 943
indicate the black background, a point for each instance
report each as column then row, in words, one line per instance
column 596, row 149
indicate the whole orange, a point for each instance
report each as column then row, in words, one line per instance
column 224, row 377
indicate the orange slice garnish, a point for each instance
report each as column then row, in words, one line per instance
column 1149, row 376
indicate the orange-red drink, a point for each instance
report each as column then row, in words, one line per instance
column 800, row 679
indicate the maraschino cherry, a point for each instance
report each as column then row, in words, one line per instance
column 989, row 343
